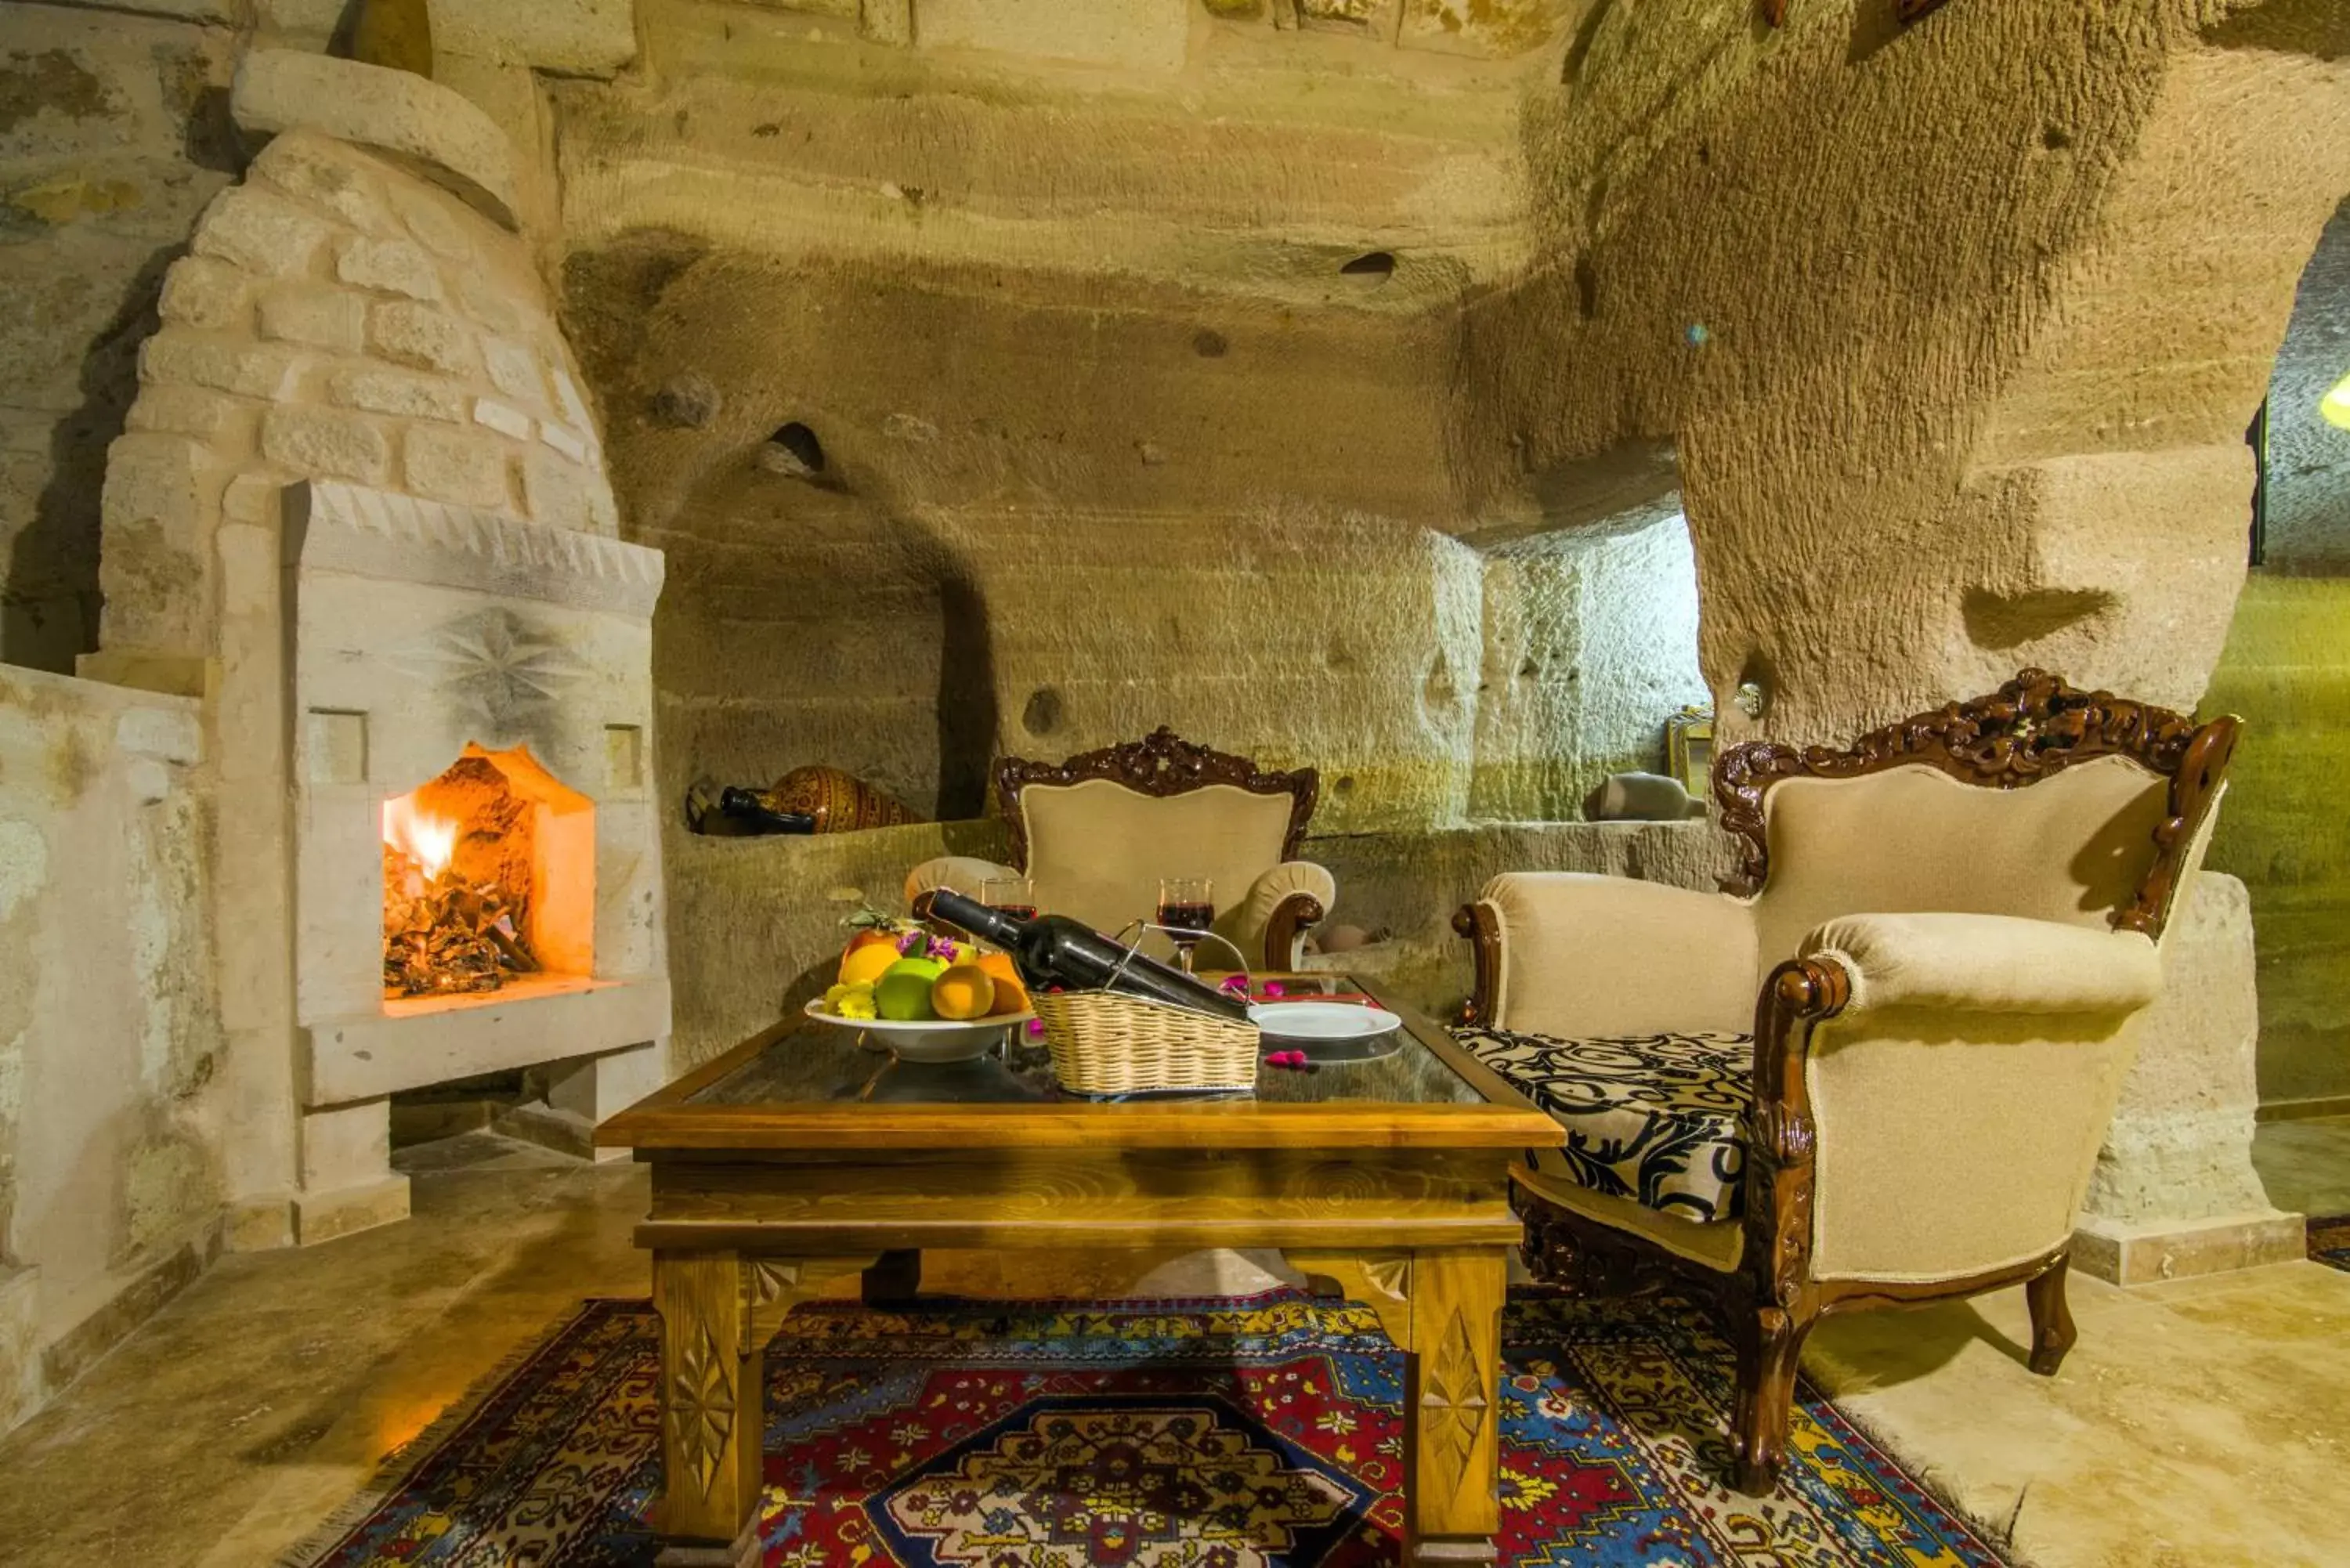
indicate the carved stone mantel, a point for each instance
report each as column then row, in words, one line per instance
column 331, row 527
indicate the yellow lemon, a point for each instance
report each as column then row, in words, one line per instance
column 865, row 964
column 965, row 990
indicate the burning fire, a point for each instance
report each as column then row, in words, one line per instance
column 430, row 841
column 457, row 884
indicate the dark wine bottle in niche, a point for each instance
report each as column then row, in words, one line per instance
column 1055, row 950
column 757, row 812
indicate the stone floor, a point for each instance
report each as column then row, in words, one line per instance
column 2197, row 1424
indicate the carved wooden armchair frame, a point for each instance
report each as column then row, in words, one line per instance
column 1294, row 895
column 2031, row 729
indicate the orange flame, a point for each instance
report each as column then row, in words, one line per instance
column 430, row 841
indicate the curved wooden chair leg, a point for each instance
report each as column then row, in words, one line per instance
column 2052, row 1320
column 1769, row 1339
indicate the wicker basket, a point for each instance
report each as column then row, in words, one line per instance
column 1108, row 1042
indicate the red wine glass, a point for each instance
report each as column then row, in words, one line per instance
column 1186, row 908
column 1013, row 896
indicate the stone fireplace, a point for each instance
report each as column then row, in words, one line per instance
column 477, row 858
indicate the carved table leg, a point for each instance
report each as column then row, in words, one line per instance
column 1452, row 1410
column 718, row 1311
column 708, row 1513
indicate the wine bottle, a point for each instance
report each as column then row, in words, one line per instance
column 756, row 812
column 1055, row 950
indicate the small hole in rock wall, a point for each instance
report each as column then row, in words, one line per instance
column 1753, row 695
column 1210, row 344
column 793, row 451
column 1371, row 266
column 1042, row 716
column 2055, row 138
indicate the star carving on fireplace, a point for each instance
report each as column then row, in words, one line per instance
column 502, row 672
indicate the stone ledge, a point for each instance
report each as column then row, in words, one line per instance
column 368, row 1055
column 431, row 129
column 2145, row 1254
column 324, row 1216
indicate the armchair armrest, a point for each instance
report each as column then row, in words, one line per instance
column 961, row 872
column 1988, row 963
column 1282, row 904
column 1577, row 955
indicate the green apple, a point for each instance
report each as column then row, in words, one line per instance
column 903, row 993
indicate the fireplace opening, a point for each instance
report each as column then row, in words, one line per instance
column 489, row 880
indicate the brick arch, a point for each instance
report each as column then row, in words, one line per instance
column 337, row 317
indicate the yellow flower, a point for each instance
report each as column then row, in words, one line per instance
column 1521, row 1490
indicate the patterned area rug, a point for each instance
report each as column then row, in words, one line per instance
column 1159, row 1434
column 2329, row 1242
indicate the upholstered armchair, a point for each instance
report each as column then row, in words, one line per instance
column 1950, row 927
column 1095, row 833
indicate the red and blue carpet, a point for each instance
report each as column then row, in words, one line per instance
column 2329, row 1242
column 1150, row 1434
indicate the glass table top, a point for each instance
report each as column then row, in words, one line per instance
column 825, row 1064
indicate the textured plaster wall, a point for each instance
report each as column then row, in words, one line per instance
column 1111, row 438
column 111, row 1115
column 113, row 135
column 1956, row 329
column 2287, row 670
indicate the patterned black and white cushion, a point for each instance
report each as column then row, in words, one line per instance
column 1657, row 1118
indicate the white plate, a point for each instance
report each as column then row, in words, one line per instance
column 926, row 1039
column 1321, row 1020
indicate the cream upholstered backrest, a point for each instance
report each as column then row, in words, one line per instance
column 2071, row 847
column 1097, row 849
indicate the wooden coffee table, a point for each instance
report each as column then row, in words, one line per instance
column 800, row 1157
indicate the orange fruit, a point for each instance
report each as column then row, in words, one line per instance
column 965, row 990
column 1011, row 996
column 864, row 965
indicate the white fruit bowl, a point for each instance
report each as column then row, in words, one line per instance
column 928, row 1039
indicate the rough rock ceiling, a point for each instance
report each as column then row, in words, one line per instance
column 1261, row 162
